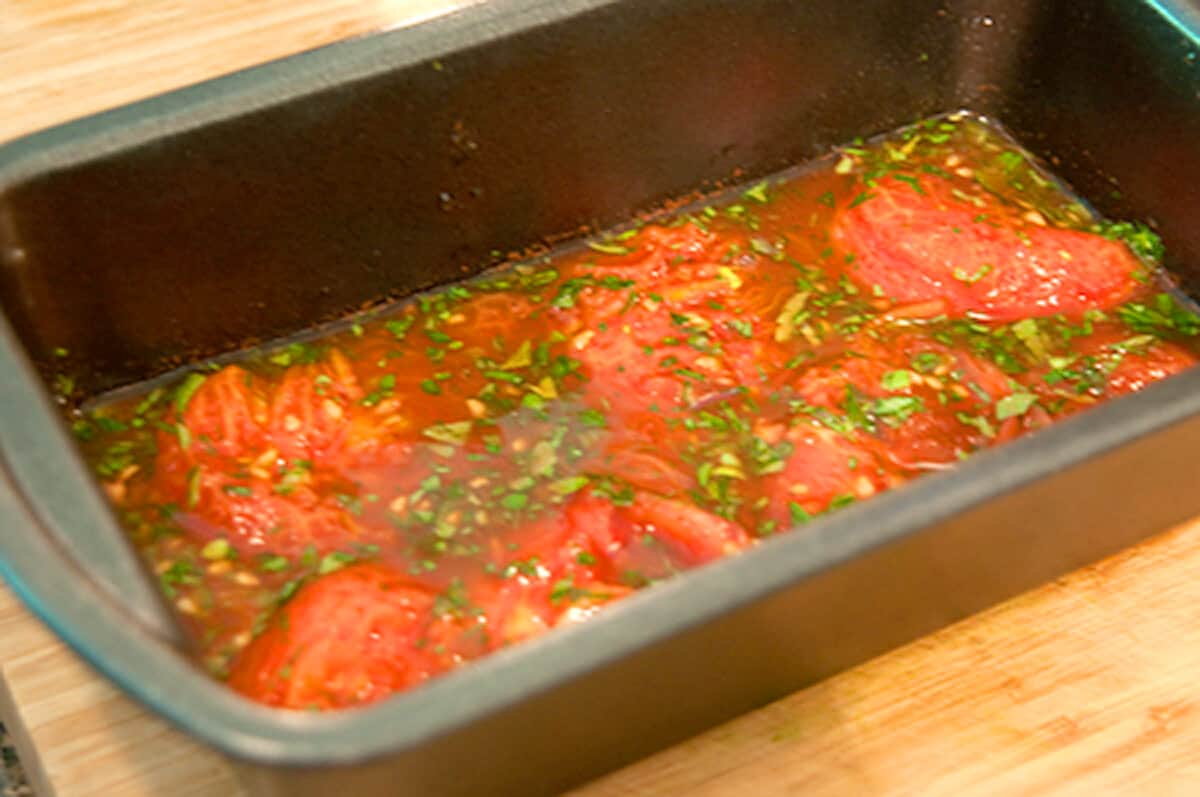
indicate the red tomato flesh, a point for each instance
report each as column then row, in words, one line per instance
column 929, row 239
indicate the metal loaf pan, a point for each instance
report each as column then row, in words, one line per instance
column 255, row 205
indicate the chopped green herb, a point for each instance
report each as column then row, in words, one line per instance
column 1144, row 242
column 515, row 501
column 757, row 193
column 797, row 514
column 593, row 418
column 1162, row 316
column 609, row 249
column 865, row 196
column 504, row 376
column 978, row 421
column 1027, row 332
column 521, row 358
column 217, row 549
column 855, row 412
column 455, row 433
column 562, row 590
column 972, row 277
column 569, row 485
column 193, row 487
column 1014, row 404
column 186, row 390
column 333, row 562
column 399, row 326
column 926, row 362
column 274, row 564
column 899, row 408
column 897, row 380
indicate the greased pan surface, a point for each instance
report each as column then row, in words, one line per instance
column 561, row 116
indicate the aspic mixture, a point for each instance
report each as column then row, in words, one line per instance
column 344, row 518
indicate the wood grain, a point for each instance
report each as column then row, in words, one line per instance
column 1086, row 686
column 62, row 59
column 1083, row 687
column 79, row 736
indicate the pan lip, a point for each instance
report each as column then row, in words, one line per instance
column 161, row 678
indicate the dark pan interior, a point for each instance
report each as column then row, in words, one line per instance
column 344, row 191
column 260, row 225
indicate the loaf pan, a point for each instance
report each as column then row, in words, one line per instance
column 256, row 205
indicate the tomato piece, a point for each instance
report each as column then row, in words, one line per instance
column 595, row 552
column 959, row 395
column 936, row 239
column 348, row 638
column 222, row 424
column 697, row 535
column 657, row 469
column 521, row 609
column 257, row 520
column 611, row 531
column 668, row 258
column 628, row 375
column 311, row 407
column 1140, row 367
column 823, row 468
column 563, row 567
column 827, row 384
column 652, row 363
column 923, row 418
column 672, row 326
column 225, row 415
column 1109, row 362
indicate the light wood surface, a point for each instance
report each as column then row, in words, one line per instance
column 1086, row 686
column 62, row 59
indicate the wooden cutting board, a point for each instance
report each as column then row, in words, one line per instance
column 1086, row 686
